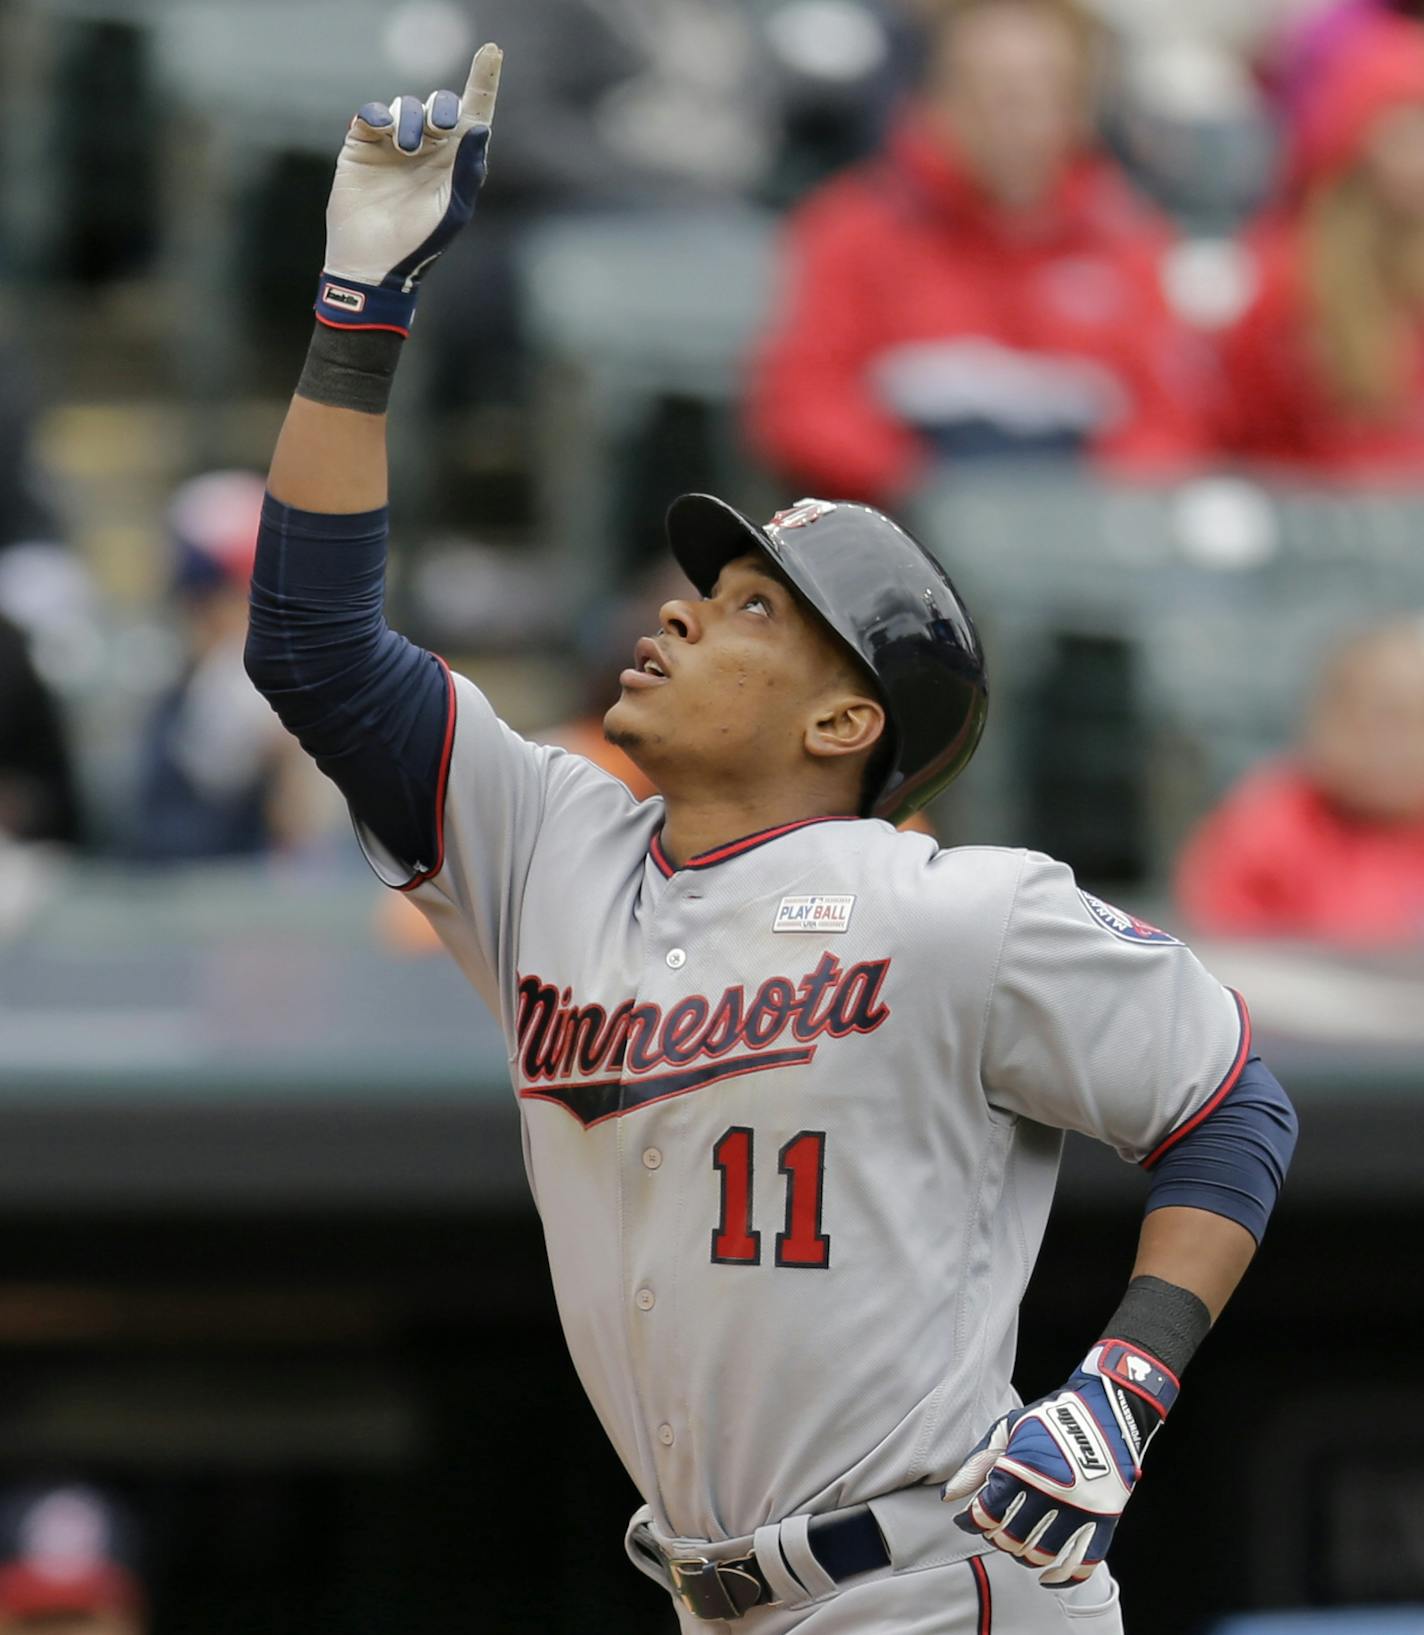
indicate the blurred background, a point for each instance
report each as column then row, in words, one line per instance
column 1120, row 305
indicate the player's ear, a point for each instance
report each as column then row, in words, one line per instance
column 845, row 725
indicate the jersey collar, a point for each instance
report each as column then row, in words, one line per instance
column 735, row 848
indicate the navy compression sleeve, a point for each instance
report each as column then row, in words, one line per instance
column 1234, row 1161
column 369, row 706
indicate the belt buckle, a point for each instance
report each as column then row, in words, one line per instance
column 698, row 1585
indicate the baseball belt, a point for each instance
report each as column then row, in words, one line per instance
column 845, row 1544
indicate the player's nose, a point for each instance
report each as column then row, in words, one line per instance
column 679, row 618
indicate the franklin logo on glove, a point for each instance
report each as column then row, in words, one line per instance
column 1092, row 1459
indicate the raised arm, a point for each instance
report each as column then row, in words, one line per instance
column 372, row 709
column 406, row 182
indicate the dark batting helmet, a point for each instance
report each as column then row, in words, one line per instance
column 890, row 603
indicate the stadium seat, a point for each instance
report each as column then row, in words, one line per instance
column 624, row 311
column 1226, row 597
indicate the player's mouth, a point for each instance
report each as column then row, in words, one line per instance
column 650, row 666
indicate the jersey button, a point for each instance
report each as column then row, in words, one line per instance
column 677, row 958
column 665, row 1435
column 646, row 1299
column 652, row 1158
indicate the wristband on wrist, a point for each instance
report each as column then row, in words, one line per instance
column 344, row 303
column 1168, row 1321
column 1149, row 1340
column 351, row 368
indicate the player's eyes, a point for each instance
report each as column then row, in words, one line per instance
column 753, row 599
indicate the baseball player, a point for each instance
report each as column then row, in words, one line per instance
column 792, row 1083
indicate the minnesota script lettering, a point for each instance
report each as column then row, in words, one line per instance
column 702, row 1040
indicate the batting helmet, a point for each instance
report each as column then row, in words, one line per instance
column 890, row 603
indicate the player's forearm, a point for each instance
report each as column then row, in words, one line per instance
column 1189, row 1262
column 331, row 455
column 1203, row 1253
column 329, row 459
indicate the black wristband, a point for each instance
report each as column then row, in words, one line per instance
column 351, row 368
column 1165, row 1320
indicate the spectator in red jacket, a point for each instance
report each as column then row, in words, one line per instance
column 1324, row 372
column 68, row 1564
column 1328, row 845
column 987, row 285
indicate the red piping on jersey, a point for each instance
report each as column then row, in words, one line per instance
column 391, row 329
column 986, row 1600
column 735, row 848
column 440, row 783
column 1222, row 1091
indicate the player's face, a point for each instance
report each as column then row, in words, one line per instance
column 735, row 691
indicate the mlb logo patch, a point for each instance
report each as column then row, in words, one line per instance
column 828, row 916
column 1124, row 925
column 1142, row 1374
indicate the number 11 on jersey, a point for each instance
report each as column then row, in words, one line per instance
column 735, row 1241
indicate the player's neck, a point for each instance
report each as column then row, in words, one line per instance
column 695, row 827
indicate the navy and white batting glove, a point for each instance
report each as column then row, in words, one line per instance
column 1049, row 1481
column 406, row 182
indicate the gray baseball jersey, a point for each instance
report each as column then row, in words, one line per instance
column 792, row 1113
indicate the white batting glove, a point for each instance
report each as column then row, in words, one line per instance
column 406, row 182
column 1049, row 1482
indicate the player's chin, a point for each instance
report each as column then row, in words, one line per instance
column 626, row 721
column 635, row 704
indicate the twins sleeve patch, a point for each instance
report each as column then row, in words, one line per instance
column 1125, row 925
column 827, row 915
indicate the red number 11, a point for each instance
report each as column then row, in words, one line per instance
column 803, row 1162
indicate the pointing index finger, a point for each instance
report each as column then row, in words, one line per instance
column 482, row 87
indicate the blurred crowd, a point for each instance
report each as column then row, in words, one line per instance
column 69, row 1563
column 1137, row 241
